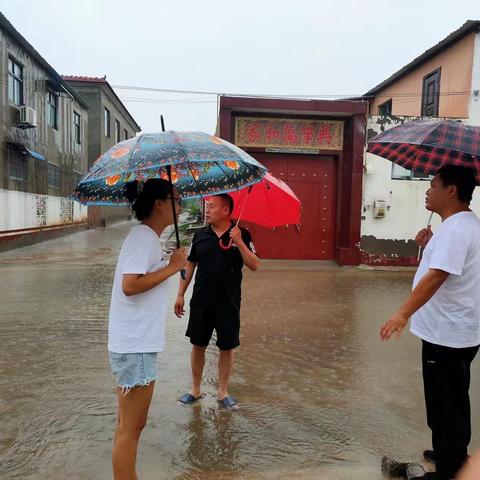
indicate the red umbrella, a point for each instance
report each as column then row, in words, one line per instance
column 270, row 203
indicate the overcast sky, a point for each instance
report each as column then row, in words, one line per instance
column 286, row 47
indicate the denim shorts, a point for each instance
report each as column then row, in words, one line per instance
column 133, row 369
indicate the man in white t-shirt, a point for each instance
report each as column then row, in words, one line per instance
column 445, row 310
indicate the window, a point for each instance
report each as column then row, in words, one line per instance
column 431, row 94
column 125, row 134
column 53, row 176
column 17, row 165
column 400, row 173
column 77, row 132
column 52, row 109
column 15, row 82
column 385, row 108
column 106, row 125
column 117, row 131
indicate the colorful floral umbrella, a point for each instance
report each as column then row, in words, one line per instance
column 200, row 165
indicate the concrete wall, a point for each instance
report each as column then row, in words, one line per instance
column 456, row 76
column 32, row 202
column 21, row 210
column 389, row 240
column 474, row 107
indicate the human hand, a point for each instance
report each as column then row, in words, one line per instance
column 395, row 324
column 178, row 259
column 423, row 237
column 236, row 235
column 179, row 306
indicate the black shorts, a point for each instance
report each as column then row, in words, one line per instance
column 225, row 321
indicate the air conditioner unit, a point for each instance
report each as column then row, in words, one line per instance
column 27, row 117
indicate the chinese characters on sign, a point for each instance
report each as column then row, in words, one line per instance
column 290, row 134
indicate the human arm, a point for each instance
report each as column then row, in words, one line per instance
column 135, row 283
column 423, row 237
column 423, row 292
column 182, row 288
column 249, row 258
column 471, row 469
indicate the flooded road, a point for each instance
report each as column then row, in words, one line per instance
column 321, row 396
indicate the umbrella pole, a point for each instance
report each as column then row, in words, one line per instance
column 244, row 205
column 174, row 212
column 420, row 247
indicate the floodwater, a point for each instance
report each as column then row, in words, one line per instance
column 321, row 397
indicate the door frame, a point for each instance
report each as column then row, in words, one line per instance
column 350, row 159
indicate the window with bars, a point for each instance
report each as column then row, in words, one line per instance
column 53, row 175
column 52, row 109
column 106, row 121
column 125, row 134
column 15, row 82
column 17, row 165
column 77, row 132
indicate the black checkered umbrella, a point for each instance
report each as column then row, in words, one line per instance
column 426, row 145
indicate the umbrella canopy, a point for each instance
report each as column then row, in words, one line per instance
column 425, row 145
column 270, row 203
column 200, row 165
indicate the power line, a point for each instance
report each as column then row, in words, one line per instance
column 255, row 95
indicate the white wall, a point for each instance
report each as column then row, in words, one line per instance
column 474, row 107
column 26, row 210
column 406, row 198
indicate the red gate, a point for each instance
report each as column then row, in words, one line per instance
column 313, row 179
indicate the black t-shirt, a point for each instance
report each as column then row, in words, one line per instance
column 219, row 272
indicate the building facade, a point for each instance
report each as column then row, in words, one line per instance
column 442, row 82
column 43, row 141
column 317, row 148
column 109, row 122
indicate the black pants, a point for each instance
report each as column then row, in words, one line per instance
column 446, row 380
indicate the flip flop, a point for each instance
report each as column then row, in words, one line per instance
column 229, row 403
column 188, row 399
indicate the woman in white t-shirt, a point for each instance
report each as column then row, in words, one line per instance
column 138, row 309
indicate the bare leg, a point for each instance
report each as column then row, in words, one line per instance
column 132, row 417
column 197, row 361
column 225, row 365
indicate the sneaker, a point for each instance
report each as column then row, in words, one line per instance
column 394, row 468
column 415, row 471
column 429, row 456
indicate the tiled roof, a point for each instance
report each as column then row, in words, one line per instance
column 101, row 82
column 79, row 78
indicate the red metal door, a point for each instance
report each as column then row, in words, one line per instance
column 313, row 179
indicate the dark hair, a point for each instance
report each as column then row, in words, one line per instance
column 143, row 196
column 462, row 177
column 228, row 200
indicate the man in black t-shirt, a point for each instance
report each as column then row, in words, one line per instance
column 218, row 253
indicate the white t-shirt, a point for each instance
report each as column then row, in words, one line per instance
column 137, row 323
column 452, row 316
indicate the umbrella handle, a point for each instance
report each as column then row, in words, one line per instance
column 229, row 244
column 419, row 254
column 225, row 247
